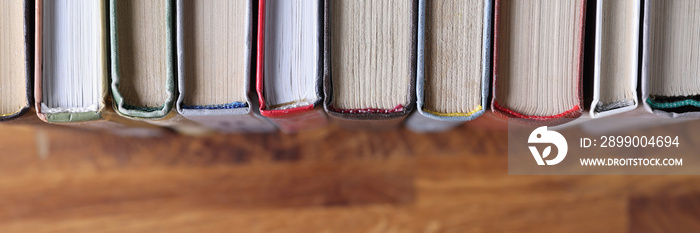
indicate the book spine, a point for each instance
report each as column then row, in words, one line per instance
column 38, row 56
column 290, row 120
column 426, row 121
column 234, row 120
column 646, row 54
column 28, row 26
column 557, row 119
column 383, row 118
column 597, row 108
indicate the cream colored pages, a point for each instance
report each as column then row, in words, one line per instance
column 453, row 56
column 214, row 42
column 291, row 53
column 618, row 60
column 73, row 56
column 142, row 52
column 13, row 75
column 371, row 52
column 538, row 56
column 674, row 48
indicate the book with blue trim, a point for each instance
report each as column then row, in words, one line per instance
column 214, row 44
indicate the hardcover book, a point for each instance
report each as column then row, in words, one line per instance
column 214, row 43
column 671, row 54
column 616, row 57
column 538, row 54
column 17, row 61
column 71, row 67
column 290, row 63
column 370, row 61
column 454, row 63
column 144, row 85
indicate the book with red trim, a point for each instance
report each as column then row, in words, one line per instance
column 289, row 79
column 370, row 62
column 538, row 60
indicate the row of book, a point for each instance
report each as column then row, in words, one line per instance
column 191, row 65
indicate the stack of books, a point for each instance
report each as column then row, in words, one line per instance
column 139, row 67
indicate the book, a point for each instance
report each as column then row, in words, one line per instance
column 616, row 57
column 370, row 62
column 71, row 75
column 214, row 44
column 612, row 62
column 143, row 66
column 670, row 84
column 454, row 63
column 538, row 53
column 17, row 62
column 290, row 63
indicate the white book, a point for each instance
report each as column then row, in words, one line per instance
column 616, row 57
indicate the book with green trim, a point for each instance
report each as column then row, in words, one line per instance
column 71, row 68
column 143, row 63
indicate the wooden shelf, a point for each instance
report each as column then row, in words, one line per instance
column 330, row 180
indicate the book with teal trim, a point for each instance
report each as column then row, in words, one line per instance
column 671, row 54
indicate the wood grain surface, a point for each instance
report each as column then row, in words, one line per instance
column 330, row 180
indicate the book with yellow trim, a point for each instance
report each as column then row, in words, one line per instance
column 454, row 63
